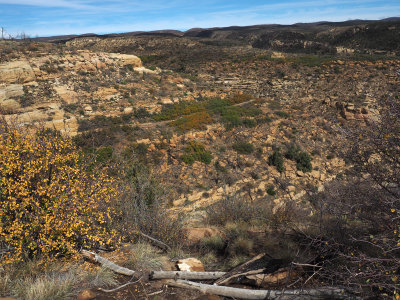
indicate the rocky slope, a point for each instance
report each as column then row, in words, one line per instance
column 113, row 100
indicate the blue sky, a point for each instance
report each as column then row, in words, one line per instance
column 53, row 17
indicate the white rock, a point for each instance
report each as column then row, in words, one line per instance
column 190, row 265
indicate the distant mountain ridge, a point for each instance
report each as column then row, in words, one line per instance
column 321, row 37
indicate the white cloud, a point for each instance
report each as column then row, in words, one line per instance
column 47, row 3
column 95, row 5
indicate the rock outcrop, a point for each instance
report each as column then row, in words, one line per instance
column 48, row 89
column 16, row 72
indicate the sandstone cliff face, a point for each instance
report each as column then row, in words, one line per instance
column 37, row 89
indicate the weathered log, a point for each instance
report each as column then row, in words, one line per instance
column 107, row 264
column 237, row 293
column 156, row 242
column 186, row 275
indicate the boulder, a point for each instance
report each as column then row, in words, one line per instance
column 11, row 91
column 126, row 59
column 348, row 115
column 88, row 109
column 16, row 72
column 195, row 235
column 190, row 264
column 128, row 110
column 142, row 70
column 66, row 94
column 67, row 126
column 291, row 188
column 350, row 107
column 9, row 106
column 166, row 101
column 316, row 174
column 86, row 295
column 277, row 55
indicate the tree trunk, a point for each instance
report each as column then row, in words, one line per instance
column 107, row 264
column 186, row 275
column 155, row 242
column 319, row 293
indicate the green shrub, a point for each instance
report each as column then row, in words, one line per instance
column 220, row 168
column 231, row 121
column 282, row 114
column 215, row 243
column 249, row 123
column 173, row 111
column 241, row 246
column 232, row 209
column 292, row 152
column 239, row 98
column 242, row 147
column 303, row 159
column 196, row 152
column 71, row 108
column 143, row 207
column 187, row 114
column 271, row 191
column 194, row 121
column 276, row 159
column 303, row 162
column 139, row 149
column 104, row 154
column 141, row 113
column 217, row 104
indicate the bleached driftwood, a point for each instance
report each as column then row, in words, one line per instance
column 107, row 264
column 237, row 293
column 186, row 275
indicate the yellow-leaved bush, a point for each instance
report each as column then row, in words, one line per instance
column 50, row 204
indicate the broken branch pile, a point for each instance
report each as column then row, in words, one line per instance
column 223, row 278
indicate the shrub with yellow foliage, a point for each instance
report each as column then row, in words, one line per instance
column 50, row 203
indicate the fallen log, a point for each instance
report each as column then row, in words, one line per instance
column 238, row 293
column 93, row 257
column 186, row 275
column 156, row 242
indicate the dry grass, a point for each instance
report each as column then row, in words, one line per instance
column 145, row 257
column 5, row 282
column 213, row 243
column 48, row 287
column 53, row 281
column 100, row 277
